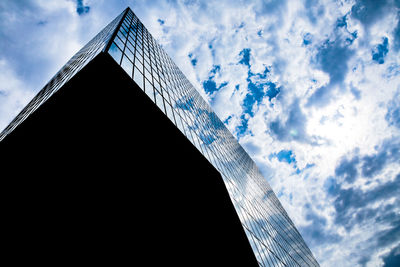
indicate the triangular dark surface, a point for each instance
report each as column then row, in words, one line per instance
column 98, row 174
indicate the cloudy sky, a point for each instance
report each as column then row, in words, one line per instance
column 310, row 88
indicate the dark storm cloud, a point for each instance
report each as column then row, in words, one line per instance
column 389, row 236
column 351, row 203
column 332, row 58
column 396, row 34
column 316, row 233
column 382, row 239
column 348, row 169
column 372, row 164
column 269, row 7
column 313, row 10
column 369, row 11
column 293, row 128
column 393, row 111
column 321, row 97
column 392, row 259
column 81, row 9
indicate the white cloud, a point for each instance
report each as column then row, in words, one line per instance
column 13, row 94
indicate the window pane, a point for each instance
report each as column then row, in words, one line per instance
column 138, row 55
column 159, row 100
column 169, row 111
column 146, row 64
column 138, row 64
column 138, row 78
column 157, row 85
column 129, row 54
column 132, row 38
column 127, row 65
column 119, row 42
column 149, row 89
column 147, row 74
column 115, row 53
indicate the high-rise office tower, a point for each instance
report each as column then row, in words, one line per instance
column 110, row 133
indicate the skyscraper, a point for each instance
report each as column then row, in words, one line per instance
column 74, row 125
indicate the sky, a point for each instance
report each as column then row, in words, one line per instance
column 311, row 89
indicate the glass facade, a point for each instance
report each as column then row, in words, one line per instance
column 271, row 233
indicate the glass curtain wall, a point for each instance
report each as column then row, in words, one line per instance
column 271, row 233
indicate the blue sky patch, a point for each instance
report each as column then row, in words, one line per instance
column 242, row 128
column 193, row 59
column 257, row 90
column 316, row 231
column 273, row 91
column 307, row 39
column 341, row 22
column 286, row 156
column 215, row 69
column 81, row 9
column 210, row 86
column 226, row 121
column 262, row 75
column 380, row 51
column 161, row 21
column 245, row 53
column 42, row 22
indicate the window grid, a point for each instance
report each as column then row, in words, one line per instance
column 276, row 242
